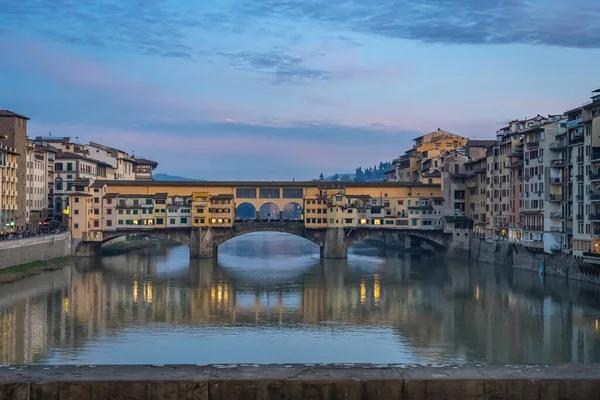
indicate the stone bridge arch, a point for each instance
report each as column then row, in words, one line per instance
column 436, row 239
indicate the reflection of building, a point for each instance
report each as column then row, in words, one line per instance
column 459, row 316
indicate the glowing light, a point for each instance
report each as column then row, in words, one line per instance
column 66, row 305
column 377, row 222
column 135, row 290
column 376, row 289
column 363, row 221
column 363, row 292
column 477, row 292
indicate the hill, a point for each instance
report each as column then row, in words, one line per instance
column 166, row 177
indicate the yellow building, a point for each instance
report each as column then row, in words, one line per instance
column 8, row 188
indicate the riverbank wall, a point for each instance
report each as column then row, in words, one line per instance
column 40, row 248
column 295, row 382
column 518, row 256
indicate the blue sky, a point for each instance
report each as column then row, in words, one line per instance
column 282, row 89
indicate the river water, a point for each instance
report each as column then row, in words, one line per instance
column 270, row 299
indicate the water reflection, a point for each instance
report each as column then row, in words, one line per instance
column 270, row 299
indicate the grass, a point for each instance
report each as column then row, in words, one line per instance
column 32, row 267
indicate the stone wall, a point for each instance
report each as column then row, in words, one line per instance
column 296, row 382
column 22, row 251
column 518, row 256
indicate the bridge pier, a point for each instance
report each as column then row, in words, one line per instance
column 334, row 245
column 202, row 243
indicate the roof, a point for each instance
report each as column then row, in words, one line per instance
column 256, row 184
column 8, row 150
column 98, row 184
column 144, row 161
column 161, row 195
column 7, row 113
column 111, row 195
column 80, row 194
column 480, row 143
column 436, row 174
column 65, row 155
column 223, row 196
column 53, row 139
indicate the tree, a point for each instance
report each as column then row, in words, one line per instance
column 321, row 177
column 336, row 177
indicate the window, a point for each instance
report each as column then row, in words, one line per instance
column 120, row 222
column 69, row 186
column 195, row 220
column 69, row 166
column 245, row 193
column 184, row 220
column 172, row 221
column 128, row 212
column 109, row 211
column 96, row 211
column 96, row 223
column 76, row 226
column 76, row 199
column 96, row 190
column 58, row 166
column 97, row 200
column 160, row 221
column 201, row 220
column 200, row 210
column 293, row 193
column 348, row 220
column 59, row 185
column 389, row 222
column 109, row 223
column 148, row 201
column 121, row 212
column 135, row 212
column 270, row 193
column 75, row 212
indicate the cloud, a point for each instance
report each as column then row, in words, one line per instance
column 283, row 67
column 154, row 27
column 549, row 22
column 244, row 151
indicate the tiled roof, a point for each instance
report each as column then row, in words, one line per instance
column 144, row 161
column 7, row 113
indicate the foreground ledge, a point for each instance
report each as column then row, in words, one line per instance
column 283, row 382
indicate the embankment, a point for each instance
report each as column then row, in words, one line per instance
column 124, row 247
column 295, row 382
column 41, row 248
column 521, row 257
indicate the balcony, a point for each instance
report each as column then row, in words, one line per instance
column 556, row 215
column 595, row 197
column 594, row 177
column 579, row 217
column 558, row 145
column 595, row 156
column 533, row 244
column 556, row 181
column 515, row 165
column 533, row 144
column 579, row 197
column 559, row 229
column 558, row 247
column 557, row 163
column 579, row 159
column 594, row 217
column 573, row 123
column 515, row 153
column 576, row 139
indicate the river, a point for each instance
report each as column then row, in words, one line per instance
column 270, row 299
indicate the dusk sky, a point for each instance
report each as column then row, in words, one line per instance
column 276, row 89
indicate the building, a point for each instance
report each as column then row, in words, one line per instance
column 583, row 178
column 476, row 194
column 143, row 168
column 39, row 189
column 423, row 162
column 8, row 186
column 13, row 129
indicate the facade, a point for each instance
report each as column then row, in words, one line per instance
column 8, row 189
column 475, row 170
column 39, row 189
column 13, row 129
column 116, row 205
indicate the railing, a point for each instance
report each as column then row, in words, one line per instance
column 556, row 215
column 579, row 217
column 594, row 177
column 557, row 229
column 594, row 217
column 557, row 246
column 557, row 163
column 556, row 180
column 576, row 139
column 533, row 143
column 559, row 144
column 579, row 159
column 579, row 197
column 573, row 123
column 595, row 196
column 595, row 156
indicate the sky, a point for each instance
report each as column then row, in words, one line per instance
column 287, row 89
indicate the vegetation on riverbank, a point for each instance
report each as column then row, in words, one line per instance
column 17, row 272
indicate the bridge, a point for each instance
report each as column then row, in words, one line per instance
column 203, row 215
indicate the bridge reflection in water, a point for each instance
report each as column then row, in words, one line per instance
column 381, row 306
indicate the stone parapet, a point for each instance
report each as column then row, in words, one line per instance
column 296, row 382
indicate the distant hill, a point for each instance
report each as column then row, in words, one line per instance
column 165, row 177
column 371, row 174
